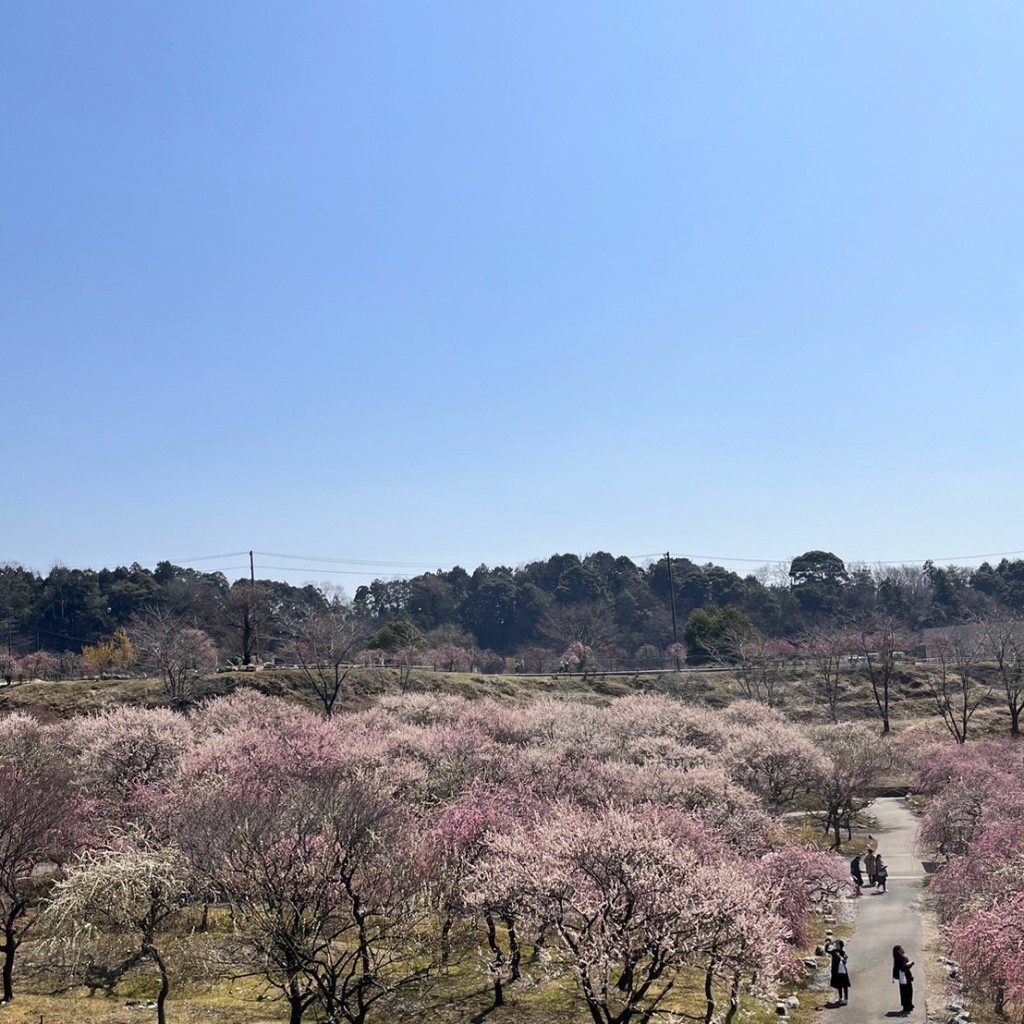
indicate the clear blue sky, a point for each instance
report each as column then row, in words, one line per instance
column 423, row 284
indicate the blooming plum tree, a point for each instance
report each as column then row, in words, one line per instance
column 321, row 868
column 633, row 907
column 167, row 645
column 117, row 751
column 446, row 657
column 459, row 841
column 800, row 879
column 989, row 947
column 39, row 665
column 132, row 887
column 773, row 760
column 42, row 823
column 855, row 757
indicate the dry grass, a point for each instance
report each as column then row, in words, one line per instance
column 459, row 994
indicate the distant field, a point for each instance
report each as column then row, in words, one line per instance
column 911, row 699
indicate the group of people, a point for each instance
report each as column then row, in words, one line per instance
column 901, row 974
column 877, row 872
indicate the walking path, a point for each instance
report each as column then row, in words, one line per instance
column 883, row 920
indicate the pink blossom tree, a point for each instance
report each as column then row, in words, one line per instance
column 178, row 652
column 39, row 665
column 321, row 866
column 449, row 656
column 772, row 759
column 459, row 841
column 578, row 657
column 800, row 879
column 42, row 823
column 405, row 659
column 633, row 908
column 989, row 947
column 676, row 653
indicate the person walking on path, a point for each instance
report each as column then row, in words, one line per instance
column 901, row 974
column 881, row 874
column 869, row 866
column 840, row 979
column 856, row 872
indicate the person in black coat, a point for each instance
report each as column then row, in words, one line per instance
column 856, row 871
column 901, row 965
column 840, row 979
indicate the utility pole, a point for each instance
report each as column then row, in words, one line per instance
column 672, row 597
column 255, row 621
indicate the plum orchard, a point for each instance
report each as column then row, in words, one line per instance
column 975, row 825
column 365, row 858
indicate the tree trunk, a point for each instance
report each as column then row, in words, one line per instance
column 9, row 948
column 734, row 998
column 709, row 993
column 446, row 941
column 497, row 961
column 165, row 984
column 296, row 1007
column 514, row 950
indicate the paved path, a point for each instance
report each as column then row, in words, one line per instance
column 882, row 921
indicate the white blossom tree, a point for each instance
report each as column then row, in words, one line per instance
column 133, row 889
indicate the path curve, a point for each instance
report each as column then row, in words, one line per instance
column 882, row 921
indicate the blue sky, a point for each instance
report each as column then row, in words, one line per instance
column 404, row 285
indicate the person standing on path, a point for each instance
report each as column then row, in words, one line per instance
column 901, row 974
column 881, row 874
column 869, row 866
column 840, row 979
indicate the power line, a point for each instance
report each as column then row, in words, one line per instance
column 347, row 561
column 324, row 563
column 198, row 558
column 336, row 572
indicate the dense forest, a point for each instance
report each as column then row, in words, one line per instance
column 625, row 611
